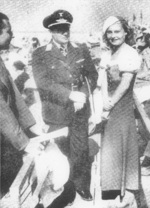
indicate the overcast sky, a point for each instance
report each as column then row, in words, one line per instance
column 27, row 15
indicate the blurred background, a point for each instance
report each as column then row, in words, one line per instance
column 26, row 16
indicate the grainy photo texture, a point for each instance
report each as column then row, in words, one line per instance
column 74, row 104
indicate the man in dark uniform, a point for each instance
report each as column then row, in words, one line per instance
column 15, row 117
column 61, row 70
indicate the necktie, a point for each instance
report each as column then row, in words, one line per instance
column 63, row 50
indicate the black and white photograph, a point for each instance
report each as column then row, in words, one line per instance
column 74, row 104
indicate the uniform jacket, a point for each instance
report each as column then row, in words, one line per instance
column 14, row 114
column 56, row 75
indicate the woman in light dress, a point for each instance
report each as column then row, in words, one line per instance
column 118, row 68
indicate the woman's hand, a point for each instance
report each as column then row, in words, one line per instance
column 34, row 148
column 39, row 129
column 108, row 105
column 78, row 97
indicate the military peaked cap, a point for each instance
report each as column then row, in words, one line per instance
column 58, row 17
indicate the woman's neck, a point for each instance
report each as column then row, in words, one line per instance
column 114, row 49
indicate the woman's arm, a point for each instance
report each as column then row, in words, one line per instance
column 123, row 87
column 120, row 91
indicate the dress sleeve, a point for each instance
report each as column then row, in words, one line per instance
column 130, row 62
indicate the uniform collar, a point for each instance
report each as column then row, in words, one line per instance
column 55, row 51
column 49, row 46
column 59, row 45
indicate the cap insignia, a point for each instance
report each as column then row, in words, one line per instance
column 61, row 14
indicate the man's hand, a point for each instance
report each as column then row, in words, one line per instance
column 78, row 106
column 34, row 148
column 39, row 129
column 78, row 97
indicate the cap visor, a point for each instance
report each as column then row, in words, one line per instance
column 63, row 23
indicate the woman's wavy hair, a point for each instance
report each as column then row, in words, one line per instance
column 130, row 37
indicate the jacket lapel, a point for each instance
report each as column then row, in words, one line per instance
column 73, row 53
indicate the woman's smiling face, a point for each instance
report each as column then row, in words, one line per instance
column 115, row 34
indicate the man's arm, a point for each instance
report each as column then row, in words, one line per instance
column 12, row 131
column 10, row 128
column 89, row 70
column 123, row 87
column 120, row 91
column 25, row 118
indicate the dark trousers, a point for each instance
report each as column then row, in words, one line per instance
column 79, row 151
column 11, row 162
column 76, row 147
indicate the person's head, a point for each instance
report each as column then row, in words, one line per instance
column 5, row 32
column 116, row 31
column 59, row 25
column 19, row 65
column 146, row 37
column 35, row 42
